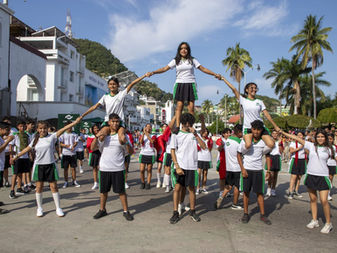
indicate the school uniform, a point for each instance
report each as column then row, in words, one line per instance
column 221, row 159
column 233, row 171
column 23, row 164
column 298, row 160
column 94, row 156
column 275, row 158
column 204, row 155
column 79, row 147
column 332, row 165
column 147, row 151
column 68, row 155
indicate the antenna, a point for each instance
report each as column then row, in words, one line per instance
column 68, row 31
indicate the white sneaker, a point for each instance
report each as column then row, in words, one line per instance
column 236, row 207
column 158, row 184
column 329, row 198
column 76, row 184
column 197, row 191
column 327, row 228
column 163, row 185
column 313, row 224
column 81, row 171
column 127, row 186
column 59, row 212
column 95, row 186
column 167, row 189
column 204, row 191
column 39, row 212
column 65, row 185
column 273, row 193
column 220, row 194
column 268, row 194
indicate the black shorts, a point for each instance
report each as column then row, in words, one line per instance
column 317, row 183
column 22, row 165
column 167, row 160
column 80, row 155
column 254, row 180
column 147, row 159
column 332, row 170
column 45, row 173
column 190, row 178
column 69, row 160
column 185, row 92
column 204, row 165
column 108, row 179
column 1, row 179
column 127, row 159
column 265, row 131
column 158, row 158
column 94, row 158
column 275, row 161
column 7, row 164
column 233, row 179
column 298, row 169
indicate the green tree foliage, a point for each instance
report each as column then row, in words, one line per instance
column 99, row 59
column 212, row 128
column 328, row 115
column 302, row 122
column 151, row 90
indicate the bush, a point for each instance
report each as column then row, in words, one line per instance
column 328, row 115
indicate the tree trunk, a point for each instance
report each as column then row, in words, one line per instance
column 297, row 102
column 314, row 91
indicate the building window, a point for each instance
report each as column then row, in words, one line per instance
column 71, row 98
column 72, row 54
column 71, row 77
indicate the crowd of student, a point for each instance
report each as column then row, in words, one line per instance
column 184, row 153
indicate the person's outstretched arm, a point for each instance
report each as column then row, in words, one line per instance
column 209, row 72
column 266, row 113
column 158, row 71
column 91, row 109
column 62, row 130
column 294, row 137
column 135, row 82
column 231, row 86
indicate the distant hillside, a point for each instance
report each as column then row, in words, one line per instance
column 151, row 90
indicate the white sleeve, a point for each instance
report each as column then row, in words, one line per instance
column 172, row 64
column 61, row 139
column 196, row 63
column 263, row 107
column 240, row 147
column 31, row 143
column 174, row 141
column 308, row 145
column 102, row 100
column 242, row 100
column 124, row 92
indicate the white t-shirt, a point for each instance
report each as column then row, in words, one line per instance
column 68, row 139
column 251, row 110
column 2, row 155
column 79, row 146
column 45, row 149
column 331, row 160
column 231, row 150
column 317, row 164
column 301, row 152
column 16, row 143
column 147, row 148
column 184, row 70
column 113, row 104
column 186, row 147
column 204, row 154
column 276, row 149
column 112, row 158
column 252, row 158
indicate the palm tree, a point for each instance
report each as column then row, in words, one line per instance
column 309, row 44
column 206, row 107
column 286, row 76
column 237, row 59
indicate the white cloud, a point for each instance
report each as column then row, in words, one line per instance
column 210, row 92
column 169, row 23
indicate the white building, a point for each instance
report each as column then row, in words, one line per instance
column 167, row 112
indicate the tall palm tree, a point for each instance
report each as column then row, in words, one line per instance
column 237, row 60
column 286, row 74
column 309, row 44
column 206, row 107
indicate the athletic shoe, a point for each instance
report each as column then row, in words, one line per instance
column 194, row 216
column 218, row 202
column 168, row 189
column 127, row 186
column 236, row 207
column 175, row 217
column 163, row 185
column 329, row 197
column 26, row 189
column 142, row 186
column 297, row 194
column 76, row 184
column 268, row 194
column 265, row 219
column 100, row 214
column 65, row 185
column 241, row 193
column 19, row 192
column 12, row 195
column 59, row 212
column 229, row 195
column 204, row 191
column 197, row 191
column 39, row 212
column 291, row 195
column 7, row 184
column 147, row 186
column 32, row 187
column 313, row 224
column 81, row 171
column 158, row 184
column 3, row 211
column 95, row 186
column 128, row 216
column 273, row 193
column 327, row 228
column 245, row 218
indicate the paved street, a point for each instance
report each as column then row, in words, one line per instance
column 218, row 231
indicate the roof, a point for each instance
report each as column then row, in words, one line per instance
column 234, row 119
column 54, row 31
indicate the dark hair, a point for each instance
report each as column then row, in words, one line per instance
column 227, row 130
column 93, row 126
column 4, row 125
column 187, row 118
column 30, row 121
column 237, row 129
column 69, row 122
column 245, row 93
column 113, row 116
column 257, row 124
column 188, row 57
column 21, row 122
column 6, row 118
column 326, row 142
column 163, row 124
column 37, row 136
column 115, row 79
column 53, row 129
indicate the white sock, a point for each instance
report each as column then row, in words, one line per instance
column 80, row 167
column 158, row 176
column 56, row 197
column 166, row 180
column 38, row 200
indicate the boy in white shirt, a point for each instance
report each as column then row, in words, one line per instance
column 111, row 166
column 252, row 175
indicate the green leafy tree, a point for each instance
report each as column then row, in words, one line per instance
column 207, row 105
column 309, row 44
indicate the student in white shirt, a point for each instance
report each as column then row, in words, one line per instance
column 44, row 168
column 317, row 176
column 184, row 152
column 111, row 166
column 113, row 102
column 252, row 108
column 332, row 164
column 80, row 150
column 250, row 161
column 185, row 85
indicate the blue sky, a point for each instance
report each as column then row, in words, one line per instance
column 144, row 34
